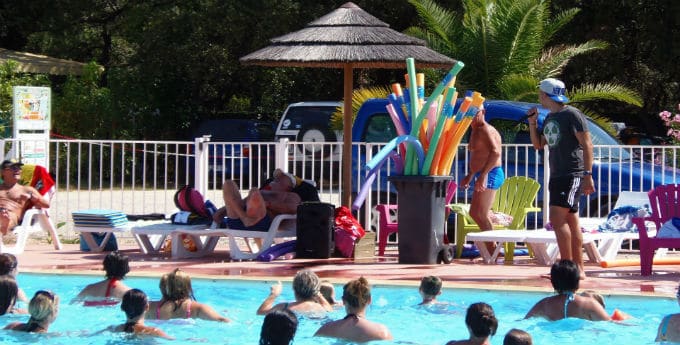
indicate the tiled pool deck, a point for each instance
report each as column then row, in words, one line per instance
column 524, row 274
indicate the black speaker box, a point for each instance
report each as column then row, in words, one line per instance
column 315, row 230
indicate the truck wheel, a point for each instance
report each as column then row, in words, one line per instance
column 315, row 134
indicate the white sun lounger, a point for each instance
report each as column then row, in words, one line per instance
column 151, row 237
column 542, row 242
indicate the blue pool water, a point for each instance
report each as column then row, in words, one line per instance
column 393, row 306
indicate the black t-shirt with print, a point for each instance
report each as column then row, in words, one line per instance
column 566, row 154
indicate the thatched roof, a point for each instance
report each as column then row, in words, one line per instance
column 347, row 35
column 33, row 63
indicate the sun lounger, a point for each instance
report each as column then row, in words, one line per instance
column 150, row 235
column 500, row 237
column 87, row 231
column 150, row 238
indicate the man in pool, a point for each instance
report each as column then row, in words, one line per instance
column 256, row 211
column 14, row 197
column 565, row 278
column 485, row 168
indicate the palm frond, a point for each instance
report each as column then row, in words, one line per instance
column 604, row 91
column 519, row 27
column 437, row 20
column 553, row 60
column 553, row 25
column 518, row 87
column 359, row 96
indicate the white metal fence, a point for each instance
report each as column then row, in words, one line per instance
column 141, row 177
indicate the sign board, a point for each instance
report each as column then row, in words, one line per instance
column 32, row 123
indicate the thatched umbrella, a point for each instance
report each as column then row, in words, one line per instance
column 347, row 38
column 34, row 63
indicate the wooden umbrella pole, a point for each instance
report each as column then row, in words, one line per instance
column 347, row 137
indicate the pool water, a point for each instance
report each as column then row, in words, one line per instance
column 394, row 306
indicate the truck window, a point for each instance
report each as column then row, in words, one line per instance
column 379, row 129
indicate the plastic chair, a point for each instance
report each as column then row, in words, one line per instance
column 388, row 224
column 515, row 198
column 664, row 201
column 34, row 219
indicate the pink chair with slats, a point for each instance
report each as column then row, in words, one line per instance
column 664, row 201
column 388, row 225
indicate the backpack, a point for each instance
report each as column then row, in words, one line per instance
column 193, row 208
column 189, row 199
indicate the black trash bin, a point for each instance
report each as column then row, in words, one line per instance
column 421, row 217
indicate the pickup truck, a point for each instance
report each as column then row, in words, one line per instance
column 615, row 168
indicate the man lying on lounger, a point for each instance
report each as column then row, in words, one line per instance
column 281, row 195
column 14, row 197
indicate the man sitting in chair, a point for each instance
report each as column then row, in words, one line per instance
column 280, row 195
column 14, row 197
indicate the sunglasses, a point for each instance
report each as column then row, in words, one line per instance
column 48, row 294
column 14, row 168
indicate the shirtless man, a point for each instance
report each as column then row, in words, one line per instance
column 14, row 197
column 485, row 168
column 256, row 211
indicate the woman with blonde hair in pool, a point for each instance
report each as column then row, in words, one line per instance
column 178, row 301
column 669, row 328
column 135, row 304
column 308, row 298
column 481, row 323
column 354, row 327
column 43, row 308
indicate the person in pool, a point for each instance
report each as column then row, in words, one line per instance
column 278, row 328
column 669, row 328
column 9, row 266
column 517, row 337
column 308, row 298
column 481, row 323
column 8, row 296
column 178, row 301
column 430, row 288
column 328, row 292
column 565, row 278
column 110, row 290
column 135, row 304
column 354, row 327
column 43, row 308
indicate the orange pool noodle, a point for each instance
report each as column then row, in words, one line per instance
column 636, row 262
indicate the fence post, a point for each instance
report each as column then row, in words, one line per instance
column 281, row 154
column 201, row 156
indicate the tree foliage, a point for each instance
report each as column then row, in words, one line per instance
column 169, row 64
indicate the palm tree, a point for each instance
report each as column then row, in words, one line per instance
column 504, row 44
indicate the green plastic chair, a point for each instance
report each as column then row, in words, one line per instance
column 515, row 198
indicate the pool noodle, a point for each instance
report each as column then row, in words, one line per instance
column 420, row 80
column 636, row 262
column 434, row 148
column 447, row 148
column 395, row 119
column 432, row 118
column 394, row 101
column 392, row 144
column 410, row 64
column 453, row 149
column 370, row 177
column 415, row 119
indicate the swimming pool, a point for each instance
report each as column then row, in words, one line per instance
column 394, row 306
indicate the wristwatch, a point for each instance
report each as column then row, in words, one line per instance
column 586, row 173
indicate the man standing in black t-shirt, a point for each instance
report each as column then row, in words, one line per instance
column 565, row 131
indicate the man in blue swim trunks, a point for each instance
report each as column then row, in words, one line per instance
column 485, row 168
column 256, row 211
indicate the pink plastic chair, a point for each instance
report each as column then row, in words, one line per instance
column 388, row 224
column 665, row 204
